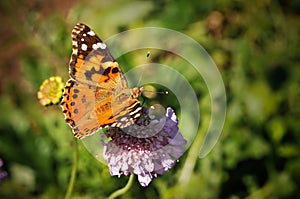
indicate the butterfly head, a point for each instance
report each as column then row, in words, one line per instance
column 136, row 92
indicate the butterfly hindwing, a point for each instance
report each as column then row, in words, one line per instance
column 78, row 105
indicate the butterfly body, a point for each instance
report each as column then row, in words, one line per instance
column 97, row 94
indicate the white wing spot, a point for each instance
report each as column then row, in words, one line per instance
column 95, row 47
column 84, row 47
column 91, row 33
column 75, row 51
column 124, row 119
column 137, row 115
column 99, row 45
column 84, row 34
column 135, row 111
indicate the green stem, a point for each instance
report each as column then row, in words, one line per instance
column 191, row 160
column 74, row 169
column 124, row 189
column 193, row 154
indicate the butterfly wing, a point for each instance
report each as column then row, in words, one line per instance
column 97, row 95
column 78, row 105
column 90, row 60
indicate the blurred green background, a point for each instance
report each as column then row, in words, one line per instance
column 255, row 45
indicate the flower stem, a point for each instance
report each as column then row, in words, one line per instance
column 73, row 172
column 124, row 189
column 191, row 160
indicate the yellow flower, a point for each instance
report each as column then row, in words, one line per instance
column 51, row 91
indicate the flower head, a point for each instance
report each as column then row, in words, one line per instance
column 3, row 174
column 51, row 91
column 145, row 156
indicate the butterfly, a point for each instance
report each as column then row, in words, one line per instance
column 97, row 94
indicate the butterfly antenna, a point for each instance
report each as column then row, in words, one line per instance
column 157, row 92
column 143, row 69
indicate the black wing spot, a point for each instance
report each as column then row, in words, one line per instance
column 115, row 70
column 83, row 99
column 106, row 71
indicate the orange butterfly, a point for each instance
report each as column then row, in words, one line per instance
column 97, row 94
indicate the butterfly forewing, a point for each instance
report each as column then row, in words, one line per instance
column 97, row 95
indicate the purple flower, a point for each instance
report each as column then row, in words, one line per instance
column 3, row 174
column 150, row 147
